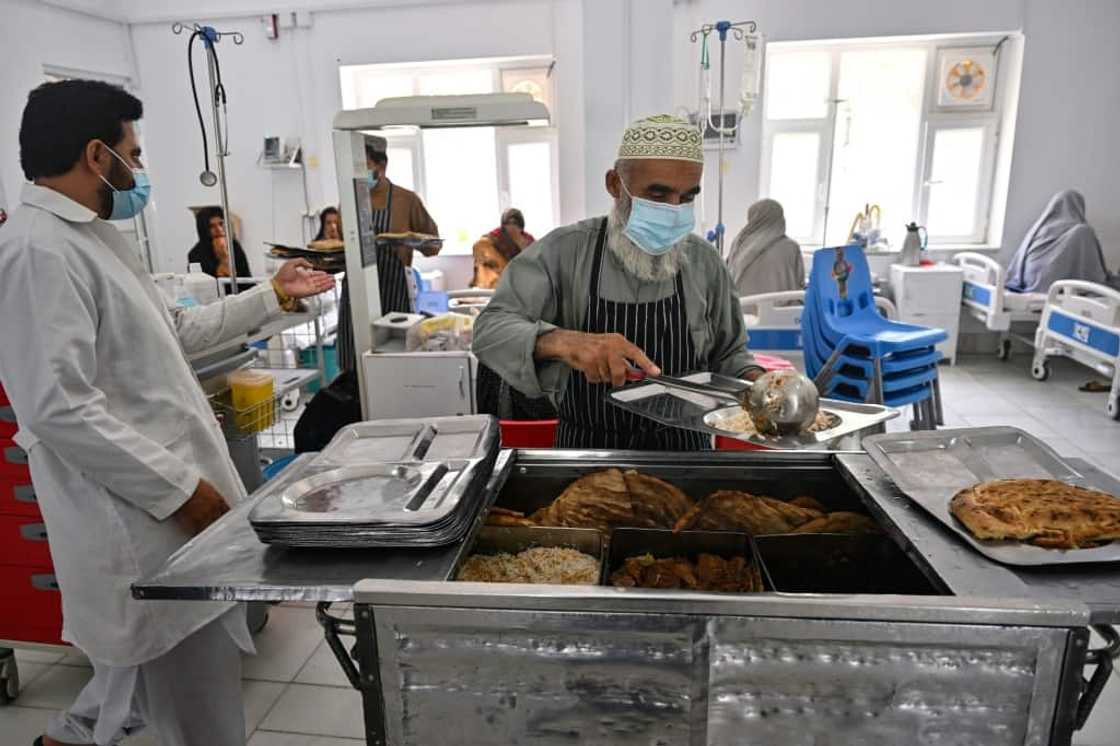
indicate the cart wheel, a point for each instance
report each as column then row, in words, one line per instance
column 9, row 678
column 1004, row 351
column 1114, row 409
column 1040, row 371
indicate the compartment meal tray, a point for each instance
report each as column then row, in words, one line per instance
column 387, row 483
column 693, row 411
column 931, row 467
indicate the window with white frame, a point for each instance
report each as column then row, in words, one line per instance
column 467, row 176
column 910, row 125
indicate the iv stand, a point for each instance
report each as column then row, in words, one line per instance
column 722, row 28
column 210, row 37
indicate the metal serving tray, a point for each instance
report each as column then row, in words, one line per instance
column 704, row 413
column 428, row 438
column 931, row 467
column 416, row 493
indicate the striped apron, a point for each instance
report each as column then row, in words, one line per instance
column 660, row 329
column 392, row 286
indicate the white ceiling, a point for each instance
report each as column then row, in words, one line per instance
column 165, row 11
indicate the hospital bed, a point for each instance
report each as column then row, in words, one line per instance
column 1081, row 321
column 773, row 321
column 986, row 299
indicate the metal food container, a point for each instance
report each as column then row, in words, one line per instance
column 514, row 539
column 661, row 543
column 839, row 563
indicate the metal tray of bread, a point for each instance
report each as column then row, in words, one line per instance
column 708, row 414
column 931, row 467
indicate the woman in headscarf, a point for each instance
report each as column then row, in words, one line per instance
column 212, row 249
column 492, row 253
column 763, row 258
column 330, row 225
column 1061, row 245
column 497, row 248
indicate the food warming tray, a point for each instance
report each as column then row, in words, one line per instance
column 388, row 483
column 693, row 411
column 931, row 467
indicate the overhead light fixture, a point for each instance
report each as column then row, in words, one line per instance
column 476, row 110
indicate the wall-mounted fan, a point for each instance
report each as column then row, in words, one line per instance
column 967, row 78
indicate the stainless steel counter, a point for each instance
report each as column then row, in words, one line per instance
column 228, row 562
column 981, row 653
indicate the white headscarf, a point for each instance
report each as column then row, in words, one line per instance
column 1060, row 245
column 762, row 258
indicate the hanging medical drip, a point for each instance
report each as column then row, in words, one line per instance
column 209, row 37
column 749, row 89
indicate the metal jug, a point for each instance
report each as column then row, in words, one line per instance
column 913, row 245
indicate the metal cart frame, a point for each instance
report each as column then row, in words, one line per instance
column 1032, row 625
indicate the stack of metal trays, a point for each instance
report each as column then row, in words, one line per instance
column 388, row 483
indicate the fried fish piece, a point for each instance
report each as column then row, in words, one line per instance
column 505, row 517
column 811, row 503
column 654, row 502
column 730, row 510
column 1046, row 512
column 839, row 522
column 598, row 500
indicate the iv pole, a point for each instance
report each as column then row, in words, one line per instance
column 210, row 37
column 722, row 28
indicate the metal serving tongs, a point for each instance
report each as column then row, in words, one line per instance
column 782, row 402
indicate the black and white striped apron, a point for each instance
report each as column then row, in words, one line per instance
column 392, row 286
column 660, row 329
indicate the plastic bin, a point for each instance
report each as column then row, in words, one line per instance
column 252, row 394
column 528, row 433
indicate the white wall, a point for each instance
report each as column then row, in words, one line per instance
column 35, row 35
column 1065, row 134
column 616, row 60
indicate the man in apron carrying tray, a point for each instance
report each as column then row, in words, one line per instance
column 633, row 289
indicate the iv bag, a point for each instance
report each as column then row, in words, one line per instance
column 752, row 69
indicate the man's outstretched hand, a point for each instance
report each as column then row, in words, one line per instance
column 296, row 279
column 602, row 358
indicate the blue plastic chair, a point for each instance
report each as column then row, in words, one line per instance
column 852, row 313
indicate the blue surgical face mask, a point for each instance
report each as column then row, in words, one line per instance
column 656, row 227
column 128, row 203
column 372, row 178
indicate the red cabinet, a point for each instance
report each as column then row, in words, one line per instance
column 30, row 602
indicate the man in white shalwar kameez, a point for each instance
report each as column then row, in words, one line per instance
column 127, row 459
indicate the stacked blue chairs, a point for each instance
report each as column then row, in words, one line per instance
column 855, row 354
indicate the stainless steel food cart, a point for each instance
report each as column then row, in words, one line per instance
column 960, row 651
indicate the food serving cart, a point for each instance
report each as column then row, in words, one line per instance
column 914, row 638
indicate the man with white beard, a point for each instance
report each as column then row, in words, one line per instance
column 633, row 289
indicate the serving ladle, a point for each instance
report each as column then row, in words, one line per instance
column 782, row 402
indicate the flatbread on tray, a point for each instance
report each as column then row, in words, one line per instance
column 1044, row 512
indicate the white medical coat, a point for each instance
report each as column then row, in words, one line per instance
column 117, row 428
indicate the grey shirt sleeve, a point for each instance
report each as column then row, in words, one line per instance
column 729, row 355
column 526, row 304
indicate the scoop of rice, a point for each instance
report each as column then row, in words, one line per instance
column 542, row 565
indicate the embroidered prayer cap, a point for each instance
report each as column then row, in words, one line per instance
column 662, row 136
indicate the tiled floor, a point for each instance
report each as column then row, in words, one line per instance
column 296, row 695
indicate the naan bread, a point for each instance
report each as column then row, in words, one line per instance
column 1045, row 512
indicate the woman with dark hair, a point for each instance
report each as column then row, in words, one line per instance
column 212, row 249
column 330, row 225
